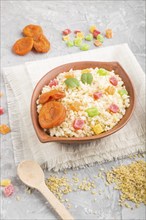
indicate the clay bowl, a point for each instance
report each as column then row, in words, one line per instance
column 43, row 137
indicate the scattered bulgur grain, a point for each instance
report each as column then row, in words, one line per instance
column 130, row 180
column 18, row 198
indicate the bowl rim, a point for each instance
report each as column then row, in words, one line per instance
column 44, row 137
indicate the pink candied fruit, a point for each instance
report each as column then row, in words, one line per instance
column 78, row 124
column 8, row 190
column 113, row 81
column 53, row 82
column 97, row 95
column 1, row 111
column 77, row 31
column 114, row 108
column 95, row 33
column 66, row 32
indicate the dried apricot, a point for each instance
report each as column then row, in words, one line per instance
column 51, row 114
column 50, row 96
column 23, row 45
column 32, row 30
column 41, row 44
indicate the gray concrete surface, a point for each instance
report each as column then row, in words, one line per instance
column 126, row 18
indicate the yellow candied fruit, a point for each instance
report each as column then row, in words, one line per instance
column 86, row 71
column 92, row 28
column 98, row 129
column 109, row 33
column 66, row 38
column 69, row 75
column 4, row 129
column 1, row 94
column 80, row 35
column 110, row 90
column 5, row 182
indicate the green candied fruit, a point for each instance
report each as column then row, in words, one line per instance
column 70, row 43
column 100, row 38
column 92, row 111
column 89, row 37
column 77, row 41
column 102, row 72
column 84, row 47
column 122, row 92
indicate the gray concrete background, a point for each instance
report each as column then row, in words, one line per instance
column 127, row 20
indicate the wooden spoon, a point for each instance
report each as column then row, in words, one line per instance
column 32, row 175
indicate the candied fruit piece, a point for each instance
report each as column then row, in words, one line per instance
column 89, row 37
column 75, row 106
column 85, row 71
column 76, row 31
column 5, row 182
column 113, row 81
column 97, row 95
column 98, row 129
column 53, row 82
column 114, row 108
column 84, row 47
column 8, row 190
column 110, row 90
column 65, row 38
column 123, row 92
column 100, row 38
column 80, row 35
column 109, row 33
column 95, row 33
column 69, row 75
column 77, row 42
column 102, row 72
column 70, row 43
column 92, row 28
column 78, row 124
column 4, row 129
column 1, row 111
column 66, row 32
column 93, row 111
column 97, row 43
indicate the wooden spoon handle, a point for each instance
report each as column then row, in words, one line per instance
column 58, row 206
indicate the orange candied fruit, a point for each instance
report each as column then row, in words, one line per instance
column 109, row 33
column 4, row 129
column 97, row 43
column 75, row 106
column 110, row 90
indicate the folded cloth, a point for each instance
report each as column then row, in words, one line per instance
column 20, row 82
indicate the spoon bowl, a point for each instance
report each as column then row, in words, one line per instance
column 30, row 173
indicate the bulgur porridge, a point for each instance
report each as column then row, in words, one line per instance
column 82, row 103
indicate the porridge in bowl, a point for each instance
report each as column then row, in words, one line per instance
column 82, row 103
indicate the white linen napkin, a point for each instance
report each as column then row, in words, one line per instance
column 20, row 81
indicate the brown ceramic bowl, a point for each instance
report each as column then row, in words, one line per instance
column 43, row 137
